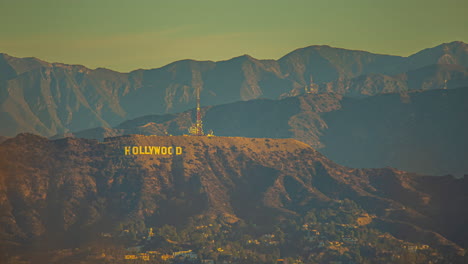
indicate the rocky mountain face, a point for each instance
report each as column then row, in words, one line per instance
column 424, row 132
column 64, row 192
column 437, row 76
column 52, row 98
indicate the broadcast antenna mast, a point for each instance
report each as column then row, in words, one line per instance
column 199, row 121
column 197, row 128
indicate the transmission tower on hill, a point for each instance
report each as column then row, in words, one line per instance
column 197, row 128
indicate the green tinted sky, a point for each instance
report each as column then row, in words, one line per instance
column 130, row 34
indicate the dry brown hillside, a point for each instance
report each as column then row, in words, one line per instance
column 66, row 191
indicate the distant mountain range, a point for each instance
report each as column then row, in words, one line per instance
column 63, row 193
column 423, row 131
column 53, row 98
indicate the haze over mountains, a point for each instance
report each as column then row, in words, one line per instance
column 53, row 98
column 358, row 109
column 63, row 193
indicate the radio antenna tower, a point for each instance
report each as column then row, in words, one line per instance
column 197, row 128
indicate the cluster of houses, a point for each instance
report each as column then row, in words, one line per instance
column 313, row 235
column 266, row 239
column 414, row 248
column 187, row 255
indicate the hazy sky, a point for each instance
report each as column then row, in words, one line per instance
column 129, row 34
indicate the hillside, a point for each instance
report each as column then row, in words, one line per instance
column 430, row 77
column 2, row 138
column 53, row 98
column 421, row 131
column 62, row 193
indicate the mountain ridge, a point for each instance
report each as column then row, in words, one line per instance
column 51, row 98
column 442, row 45
column 378, row 131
